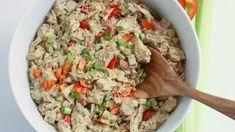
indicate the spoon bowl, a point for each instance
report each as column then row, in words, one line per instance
column 163, row 81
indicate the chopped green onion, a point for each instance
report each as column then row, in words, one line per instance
column 89, row 57
column 97, row 41
column 74, row 95
column 96, row 110
column 107, row 36
column 97, row 65
column 119, row 28
column 130, row 45
column 70, row 57
column 150, row 103
column 85, row 51
column 50, row 40
column 142, row 36
column 103, row 105
column 121, row 42
column 66, row 110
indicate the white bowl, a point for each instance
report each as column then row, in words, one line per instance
column 34, row 17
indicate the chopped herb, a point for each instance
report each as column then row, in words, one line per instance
column 97, row 65
column 150, row 102
column 50, row 40
column 93, row 72
column 97, row 41
column 96, row 110
column 121, row 42
column 89, row 57
column 75, row 95
column 70, row 57
column 107, row 36
column 142, row 36
column 64, row 26
column 130, row 45
column 119, row 28
column 66, row 110
column 85, row 51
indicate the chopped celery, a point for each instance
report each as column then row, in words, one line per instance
column 130, row 45
column 150, row 102
column 70, row 57
column 119, row 28
column 122, row 42
column 50, row 40
column 67, row 110
column 97, row 65
column 142, row 36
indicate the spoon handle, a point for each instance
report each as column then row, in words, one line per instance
column 225, row 106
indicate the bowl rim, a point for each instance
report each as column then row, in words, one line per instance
column 189, row 101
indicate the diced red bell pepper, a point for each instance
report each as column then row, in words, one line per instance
column 85, row 8
column 127, row 84
column 132, row 93
column 113, row 5
column 115, row 12
column 148, row 113
column 48, row 84
column 67, row 118
column 114, row 108
column 58, row 74
column 67, row 68
column 77, row 88
column 84, row 25
column 128, row 37
column 112, row 63
column 83, row 83
column 71, row 42
column 100, row 35
column 36, row 73
column 148, row 24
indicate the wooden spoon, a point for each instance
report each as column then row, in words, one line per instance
column 163, row 81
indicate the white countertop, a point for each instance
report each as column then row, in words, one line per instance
column 221, row 65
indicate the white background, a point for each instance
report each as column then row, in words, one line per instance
column 221, row 65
